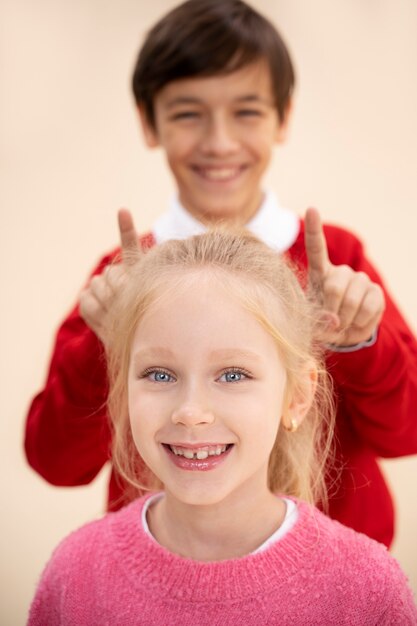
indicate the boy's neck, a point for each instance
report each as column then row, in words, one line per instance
column 225, row 530
column 237, row 216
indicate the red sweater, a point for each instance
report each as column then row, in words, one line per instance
column 68, row 436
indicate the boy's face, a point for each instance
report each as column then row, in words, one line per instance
column 218, row 133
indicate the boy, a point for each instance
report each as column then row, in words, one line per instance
column 213, row 85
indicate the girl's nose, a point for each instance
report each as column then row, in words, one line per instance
column 192, row 414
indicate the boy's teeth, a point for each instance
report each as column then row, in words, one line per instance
column 199, row 453
column 221, row 174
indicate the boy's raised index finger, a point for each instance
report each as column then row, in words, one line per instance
column 128, row 236
column 315, row 243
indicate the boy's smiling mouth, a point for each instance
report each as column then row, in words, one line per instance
column 221, row 174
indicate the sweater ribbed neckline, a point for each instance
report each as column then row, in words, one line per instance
column 145, row 562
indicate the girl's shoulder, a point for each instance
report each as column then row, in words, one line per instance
column 350, row 558
column 99, row 539
column 84, row 566
column 336, row 539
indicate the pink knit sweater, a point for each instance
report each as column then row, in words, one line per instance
column 110, row 572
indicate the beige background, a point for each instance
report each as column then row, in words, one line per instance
column 71, row 154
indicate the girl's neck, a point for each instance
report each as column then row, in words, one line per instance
column 226, row 530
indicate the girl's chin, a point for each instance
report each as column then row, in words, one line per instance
column 196, row 493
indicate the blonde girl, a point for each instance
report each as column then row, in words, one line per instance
column 217, row 388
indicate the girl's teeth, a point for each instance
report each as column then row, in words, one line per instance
column 200, row 454
column 216, row 451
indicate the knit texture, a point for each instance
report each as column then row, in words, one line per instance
column 110, row 572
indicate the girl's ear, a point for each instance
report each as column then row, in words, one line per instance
column 149, row 132
column 301, row 400
column 282, row 130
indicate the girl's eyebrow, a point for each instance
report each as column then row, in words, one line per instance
column 233, row 354
column 153, row 353
column 226, row 354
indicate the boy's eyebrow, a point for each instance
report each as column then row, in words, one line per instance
column 183, row 100
column 252, row 97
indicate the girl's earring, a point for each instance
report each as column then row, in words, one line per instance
column 292, row 427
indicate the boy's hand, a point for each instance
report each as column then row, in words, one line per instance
column 97, row 298
column 129, row 241
column 352, row 304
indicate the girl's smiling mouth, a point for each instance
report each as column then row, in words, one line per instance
column 200, row 457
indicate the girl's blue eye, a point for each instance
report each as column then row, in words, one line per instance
column 232, row 377
column 159, row 376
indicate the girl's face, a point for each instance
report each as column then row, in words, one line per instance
column 206, row 391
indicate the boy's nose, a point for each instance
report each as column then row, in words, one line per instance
column 192, row 414
column 219, row 138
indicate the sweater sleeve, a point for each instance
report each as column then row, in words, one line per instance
column 377, row 385
column 67, row 435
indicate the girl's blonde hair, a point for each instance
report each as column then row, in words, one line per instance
column 268, row 288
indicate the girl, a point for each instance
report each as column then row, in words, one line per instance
column 217, row 387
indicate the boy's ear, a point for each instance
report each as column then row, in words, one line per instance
column 282, row 130
column 301, row 400
column 149, row 132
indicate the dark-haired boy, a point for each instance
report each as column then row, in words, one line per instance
column 213, row 84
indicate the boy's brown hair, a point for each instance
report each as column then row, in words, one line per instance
column 209, row 37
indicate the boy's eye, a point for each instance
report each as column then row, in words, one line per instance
column 249, row 113
column 158, row 376
column 185, row 115
column 233, row 376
